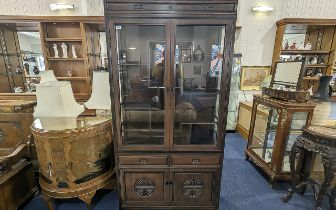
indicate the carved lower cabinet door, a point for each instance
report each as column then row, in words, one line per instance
column 193, row 187
column 146, row 187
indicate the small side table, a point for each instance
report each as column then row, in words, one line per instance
column 318, row 140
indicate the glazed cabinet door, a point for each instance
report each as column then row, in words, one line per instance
column 193, row 188
column 197, row 78
column 140, row 75
column 144, row 187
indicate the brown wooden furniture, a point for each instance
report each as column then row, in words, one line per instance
column 17, row 181
column 75, row 156
column 10, row 59
column 244, row 118
column 319, row 32
column 85, row 38
column 269, row 145
column 169, row 140
column 315, row 139
column 82, row 31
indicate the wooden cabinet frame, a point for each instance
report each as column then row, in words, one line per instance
column 285, row 111
column 176, row 162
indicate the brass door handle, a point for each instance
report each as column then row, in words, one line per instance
column 195, row 161
column 143, row 161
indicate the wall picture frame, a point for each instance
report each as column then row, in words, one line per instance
column 252, row 76
column 186, row 55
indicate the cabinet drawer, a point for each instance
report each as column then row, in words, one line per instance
column 195, row 160
column 144, row 160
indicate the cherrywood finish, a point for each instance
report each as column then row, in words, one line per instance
column 285, row 112
column 17, row 180
column 169, row 176
column 314, row 27
column 74, row 162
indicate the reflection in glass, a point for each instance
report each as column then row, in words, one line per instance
column 264, row 132
column 141, row 66
column 197, row 83
column 299, row 120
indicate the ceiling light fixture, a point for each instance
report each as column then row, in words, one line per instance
column 61, row 6
column 262, row 8
column 132, row 48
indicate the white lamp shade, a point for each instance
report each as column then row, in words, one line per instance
column 321, row 113
column 56, row 99
column 100, row 97
column 47, row 76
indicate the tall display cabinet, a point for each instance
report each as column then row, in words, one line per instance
column 171, row 67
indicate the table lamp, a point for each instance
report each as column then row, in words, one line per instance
column 56, row 99
column 47, row 76
column 100, row 97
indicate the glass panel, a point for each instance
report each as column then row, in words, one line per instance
column 199, row 59
column 234, row 91
column 264, row 132
column 299, row 120
column 141, row 66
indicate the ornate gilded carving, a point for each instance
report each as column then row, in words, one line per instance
column 2, row 135
column 193, row 188
column 144, row 187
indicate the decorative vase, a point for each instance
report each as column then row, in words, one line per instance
column 36, row 70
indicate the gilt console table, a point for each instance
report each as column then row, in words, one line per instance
column 75, row 157
column 315, row 139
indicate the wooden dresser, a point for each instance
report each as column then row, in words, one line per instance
column 17, row 181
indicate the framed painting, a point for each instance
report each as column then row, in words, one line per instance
column 252, row 76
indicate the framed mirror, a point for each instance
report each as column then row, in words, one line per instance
column 288, row 74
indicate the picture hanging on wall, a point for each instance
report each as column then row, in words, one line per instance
column 197, row 70
column 252, row 76
column 186, row 55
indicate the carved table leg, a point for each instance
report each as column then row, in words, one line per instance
column 87, row 198
column 49, row 201
column 332, row 198
column 329, row 174
column 294, row 173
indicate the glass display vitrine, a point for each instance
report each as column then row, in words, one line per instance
column 171, row 68
column 275, row 125
column 148, row 84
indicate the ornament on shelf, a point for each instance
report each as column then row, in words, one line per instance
column 310, row 90
column 18, row 89
column 293, row 46
column 318, row 73
column 308, row 46
column 73, row 51
column 64, row 50
column 36, row 70
column 26, row 67
column 286, row 46
column 69, row 73
column 19, row 70
column 312, row 60
column 309, row 73
column 320, row 60
column 55, row 50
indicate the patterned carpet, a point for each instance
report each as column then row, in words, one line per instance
column 243, row 187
